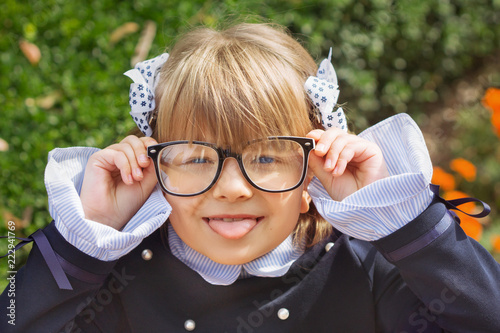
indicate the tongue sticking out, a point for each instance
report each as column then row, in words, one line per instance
column 234, row 229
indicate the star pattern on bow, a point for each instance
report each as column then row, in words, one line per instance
column 323, row 90
column 145, row 75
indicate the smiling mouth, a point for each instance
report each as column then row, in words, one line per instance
column 232, row 227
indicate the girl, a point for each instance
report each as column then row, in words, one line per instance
column 225, row 229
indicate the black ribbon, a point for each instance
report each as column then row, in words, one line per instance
column 452, row 204
column 48, row 254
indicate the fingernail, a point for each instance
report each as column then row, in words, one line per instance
column 336, row 170
column 129, row 179
column 328, row 164
column 320, row 147
column 143, row 158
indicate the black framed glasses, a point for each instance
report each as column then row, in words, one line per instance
column 189, row 168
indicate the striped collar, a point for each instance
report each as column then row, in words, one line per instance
column 273, row 264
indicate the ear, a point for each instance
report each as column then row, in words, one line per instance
column 304, row 203
column 306, row 198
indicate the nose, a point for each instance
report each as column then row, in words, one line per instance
column 232, row 185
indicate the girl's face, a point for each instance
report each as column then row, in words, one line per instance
column 234, row 223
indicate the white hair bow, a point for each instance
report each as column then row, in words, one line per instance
column 323, row 90
column 142, row 92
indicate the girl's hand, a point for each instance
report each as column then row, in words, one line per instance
column 117, row 182
column 344, row 163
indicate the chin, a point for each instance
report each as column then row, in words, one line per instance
column 233, row 259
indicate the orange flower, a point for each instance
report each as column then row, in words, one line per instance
column 491, row 99
column 495, row 240
column 495, row 120
column 465, row 168
column 443, row 179
column 469, row 207
column 470, row 226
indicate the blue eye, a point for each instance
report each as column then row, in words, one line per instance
column 199, row 160
column 265, row 160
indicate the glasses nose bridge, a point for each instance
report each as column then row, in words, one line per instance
column 227, row 153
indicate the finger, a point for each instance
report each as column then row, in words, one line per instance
column 132, row 158
column 139, row 146
column 143, row 158
column 135, row 150
column 112, row 160
column 325, row 140
column 344, row 158
column 335, row 149
column 315, row 134
column 357, row 151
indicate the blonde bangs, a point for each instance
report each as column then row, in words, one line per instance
column 232, row 87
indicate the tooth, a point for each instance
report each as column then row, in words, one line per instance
column 228, row 220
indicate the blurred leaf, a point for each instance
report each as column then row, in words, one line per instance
column 21, row 223
column 30, row 51
column 30, row 31
column 4, row 146
column 122, row 31
column 48, row 101
column 145, row 42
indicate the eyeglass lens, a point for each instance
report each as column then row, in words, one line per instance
column 273, row 165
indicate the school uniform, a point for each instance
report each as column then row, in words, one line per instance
column 411, row 269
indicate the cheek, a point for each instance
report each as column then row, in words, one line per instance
column 183, row 218
column 184, row 205
column 286, row 208
column 183, row 210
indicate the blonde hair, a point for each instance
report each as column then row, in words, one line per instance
column 236, row 85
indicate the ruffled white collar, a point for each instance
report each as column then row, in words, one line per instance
column 273, row 264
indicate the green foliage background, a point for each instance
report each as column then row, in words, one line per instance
column 390, row 56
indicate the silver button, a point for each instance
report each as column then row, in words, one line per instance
column 328, row 246
column 147, row 254
column 189, row 325
column 283, row 314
